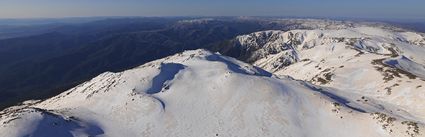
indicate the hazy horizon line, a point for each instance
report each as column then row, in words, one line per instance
column 418, row 19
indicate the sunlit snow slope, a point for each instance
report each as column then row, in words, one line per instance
column 198, row 93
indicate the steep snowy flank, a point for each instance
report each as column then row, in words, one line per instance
column 405, row 64
column 384, row 65
column 198, row 93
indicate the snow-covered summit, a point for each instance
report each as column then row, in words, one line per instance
column 199, row 93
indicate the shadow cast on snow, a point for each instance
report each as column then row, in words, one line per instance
column 236, row 68
column 167, row 73
column 337, row 98
column 52, row 125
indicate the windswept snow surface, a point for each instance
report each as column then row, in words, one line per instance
column 198, row 93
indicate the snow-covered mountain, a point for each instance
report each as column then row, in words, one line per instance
column 321, row 78
column 380, row 65
column 199, row 93
column 32, row 67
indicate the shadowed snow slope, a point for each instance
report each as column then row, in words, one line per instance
column 198, row 93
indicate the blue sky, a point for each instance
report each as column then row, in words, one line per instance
column 381, row 9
